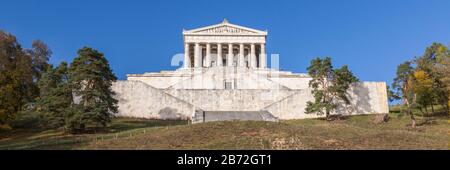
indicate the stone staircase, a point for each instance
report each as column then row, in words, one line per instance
column 211, row 116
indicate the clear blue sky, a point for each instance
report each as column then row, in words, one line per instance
column 371, row 36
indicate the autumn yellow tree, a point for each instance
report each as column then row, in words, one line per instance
column 425, row 81
column 442, row 67
column 422, row 86
column 16, row 79
column 434, row 64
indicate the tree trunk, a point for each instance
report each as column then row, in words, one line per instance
column 413, row 119
column 432, row 108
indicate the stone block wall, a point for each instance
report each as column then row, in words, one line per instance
column 137, row 99
column 365, row 98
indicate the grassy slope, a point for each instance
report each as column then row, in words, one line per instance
column 357, row 132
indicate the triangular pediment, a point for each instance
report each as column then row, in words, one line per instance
column 224, row 28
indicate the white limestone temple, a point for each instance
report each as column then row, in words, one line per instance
column 224, row 44
column 225, row 77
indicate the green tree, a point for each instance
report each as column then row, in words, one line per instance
column 442, row 67
column 329, row 86
column 91, row 79
column 56, row 95
column 402, row 83
column 40, row 54
column 421, row 85
column 16, row 79
column 432, row 65
column 392, row 96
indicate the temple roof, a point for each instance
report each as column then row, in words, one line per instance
column 224, row 28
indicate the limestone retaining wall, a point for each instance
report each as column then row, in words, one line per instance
column 365, row 98
column 230, row 100
column 137, row 99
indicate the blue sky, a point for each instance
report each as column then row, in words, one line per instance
column 371, row 36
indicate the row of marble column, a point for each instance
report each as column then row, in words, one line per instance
column 241, row 57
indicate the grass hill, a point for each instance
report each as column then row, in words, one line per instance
column 356, row 132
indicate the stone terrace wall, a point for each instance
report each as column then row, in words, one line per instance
column 366, row 98
column 230, row 100
column 139, row 100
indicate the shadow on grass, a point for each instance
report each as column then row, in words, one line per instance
column 436, row 114
column 336, row 117
column 37, row 138
column 52, row 139
column 124, row 124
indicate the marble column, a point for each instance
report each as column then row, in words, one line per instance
column 262, row 57
column 230, row 55
column 241, row 55
column 197, row 56
column 208, row 55
column 187, row 59
column 219, row 55
column 252, row 56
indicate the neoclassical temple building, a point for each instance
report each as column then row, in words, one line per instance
column 225, row 76
column 225, row 44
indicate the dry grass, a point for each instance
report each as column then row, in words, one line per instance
column 357, row 132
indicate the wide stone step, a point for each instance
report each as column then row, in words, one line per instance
column 211, row 116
